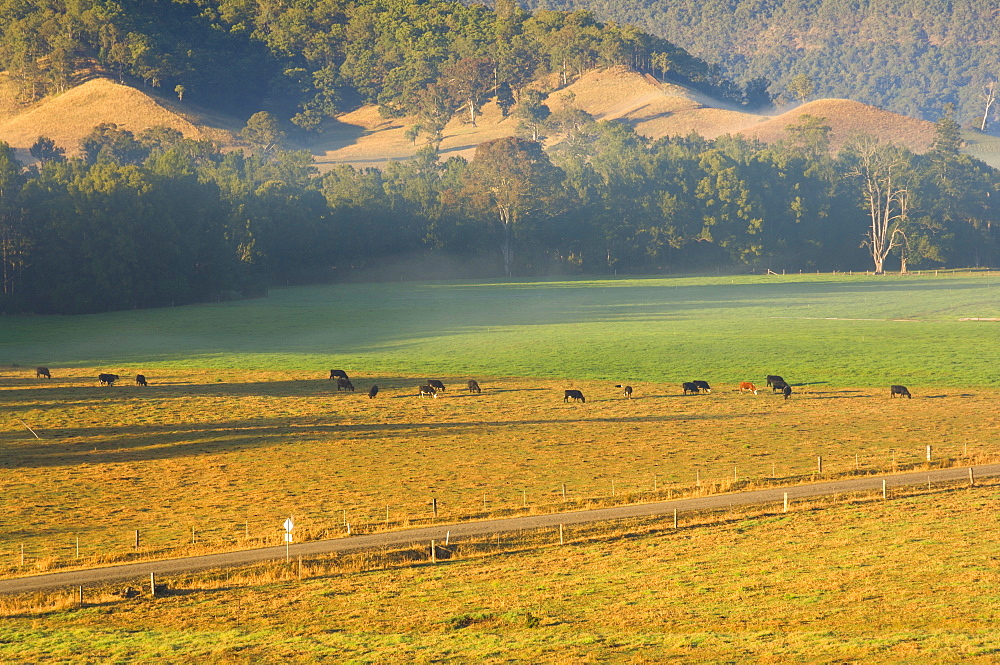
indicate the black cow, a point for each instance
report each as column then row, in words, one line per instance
column 771, row 378
column 574, row 395
column 107, row 379
column 703, row 386
column 372, row 392
column 41, row 372
column 778, row 385
column 427, row 390
column 345, row 384
column 690, row 388
column 437, row 385
column 627, row 392
column 786, row 391
column 899, row 390
column 337, row 374
column 140, row 380
column 474, row 386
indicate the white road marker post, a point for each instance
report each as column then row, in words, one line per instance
column 288, row 525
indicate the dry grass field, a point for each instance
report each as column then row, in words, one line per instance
column 240, row 428
column 909, row 580
column 233, row 459
column 224, row 444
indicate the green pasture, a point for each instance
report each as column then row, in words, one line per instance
column 840, row 329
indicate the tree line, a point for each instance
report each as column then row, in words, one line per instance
column 155, row 219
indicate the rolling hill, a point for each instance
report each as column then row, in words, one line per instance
column 363, row 138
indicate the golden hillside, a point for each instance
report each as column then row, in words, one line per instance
column 70, row 116
column 846, row 118
column 364, row 138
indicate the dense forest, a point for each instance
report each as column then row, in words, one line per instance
column 909, row 56
column 307, row 60
column 156, row 219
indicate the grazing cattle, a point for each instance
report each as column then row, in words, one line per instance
column 372, row 392
column 344, row 384
column 427, row 390
column 703, row 386
column 140, row 380
column 107, row 379
column 786, row 391
column 436, row 384
column 574, row 395
column 899, row 390
column 627, row 392
column 771, row 378
column 337, row 374
column 777, row 385
column 746, row 386
column 473, row 386
column 690, row 388
column 41, row 372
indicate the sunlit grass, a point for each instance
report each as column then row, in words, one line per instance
column 845, row 330
column 239, row 428
column 912, row 579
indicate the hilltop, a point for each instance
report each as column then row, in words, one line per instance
column 68, row 117
column 364, row 138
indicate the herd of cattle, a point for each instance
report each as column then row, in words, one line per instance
column 431, row 387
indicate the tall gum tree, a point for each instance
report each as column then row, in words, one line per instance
column 509, row 179
column 881, row 173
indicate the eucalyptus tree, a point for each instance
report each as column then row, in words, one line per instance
column 509, row 180
column 881, row 174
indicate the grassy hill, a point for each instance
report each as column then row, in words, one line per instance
column 70, row 116
column 364, row 138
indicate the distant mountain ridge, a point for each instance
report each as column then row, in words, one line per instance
column 909, row 56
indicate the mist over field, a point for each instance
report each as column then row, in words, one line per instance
column 846, row 330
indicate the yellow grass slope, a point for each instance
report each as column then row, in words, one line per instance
column 845, row 118
column 364, row 138
column 70, row 116
column 655, row 110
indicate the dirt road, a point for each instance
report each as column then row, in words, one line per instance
column 423, row 536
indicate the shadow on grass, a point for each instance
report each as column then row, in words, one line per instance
column 155, row 442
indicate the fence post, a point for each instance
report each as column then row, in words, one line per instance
column 433, row 552
column 883, row 489
column 786, row 503
column 928, row 452
column 561, row 541
column 972, row 477
column 434, row 505
column 152, row 585
column 564, row 492
column 137, row 539
column 819, row 464
column 675, row 518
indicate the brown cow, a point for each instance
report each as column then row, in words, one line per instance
column 746, row 386
column 42, row 372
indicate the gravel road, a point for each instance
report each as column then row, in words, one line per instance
column 423, row 536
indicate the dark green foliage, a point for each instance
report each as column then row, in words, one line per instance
column 301, row 59
column 909, row 56
column 158, row 219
